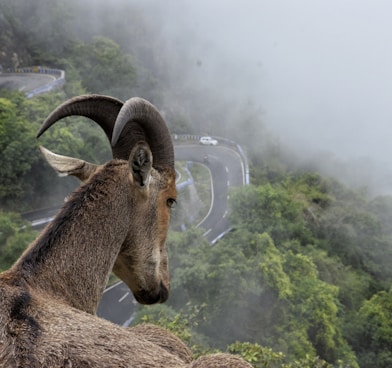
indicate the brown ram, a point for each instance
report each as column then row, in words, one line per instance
column 118, row 219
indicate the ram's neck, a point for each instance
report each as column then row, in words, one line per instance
column 73, row 257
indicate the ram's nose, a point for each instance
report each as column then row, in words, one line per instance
column 160, row 295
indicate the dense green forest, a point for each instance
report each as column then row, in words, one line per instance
column 304, row 278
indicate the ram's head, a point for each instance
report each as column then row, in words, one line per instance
column 141, row 145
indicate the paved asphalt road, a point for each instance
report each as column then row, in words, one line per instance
column 24, row 82
column 227, row 170
column 117, row 303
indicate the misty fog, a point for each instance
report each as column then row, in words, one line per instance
column 318, row 70
column 313, row 74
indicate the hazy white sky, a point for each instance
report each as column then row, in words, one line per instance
column 321, row 70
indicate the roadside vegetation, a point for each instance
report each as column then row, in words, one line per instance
column 303, row 280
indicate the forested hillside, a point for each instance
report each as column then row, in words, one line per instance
column 303, row 280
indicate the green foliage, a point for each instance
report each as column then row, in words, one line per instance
column 27, row 181
column 181, row 323
column 372, row 337
column 104, row 68
column 291, row 293
column 272, row 268
column 257, row 355
column 15, row 235
column 269, row 208
column 351, row 228
column 262, row 357
column 17, row 147
column 181, row 125
column 309, row 362
column 261, row 293
column 38, row 29
column 315, row 305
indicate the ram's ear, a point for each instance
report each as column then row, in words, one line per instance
column 140, row 163
column 64, row 165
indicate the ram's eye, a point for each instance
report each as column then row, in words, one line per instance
column 171, row 203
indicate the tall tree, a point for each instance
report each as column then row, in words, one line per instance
column 18, row 152
column 104, row 67
column 372, row 337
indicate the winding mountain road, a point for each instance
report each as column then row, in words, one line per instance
column 32, row 80
column 227, row 169
column 25, row 82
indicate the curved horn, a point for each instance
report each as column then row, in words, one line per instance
column 139, row 120
column 102, row 109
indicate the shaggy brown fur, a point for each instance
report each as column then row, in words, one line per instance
column 220, row 360
column 41, row 332
column 164, row 339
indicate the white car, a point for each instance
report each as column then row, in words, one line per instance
column 208, row 141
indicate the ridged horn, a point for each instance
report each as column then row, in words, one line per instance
column 139, row 120
column 102, row 109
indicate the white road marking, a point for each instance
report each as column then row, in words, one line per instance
column 128, row 321
column 123, row 297
column 112, row 286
